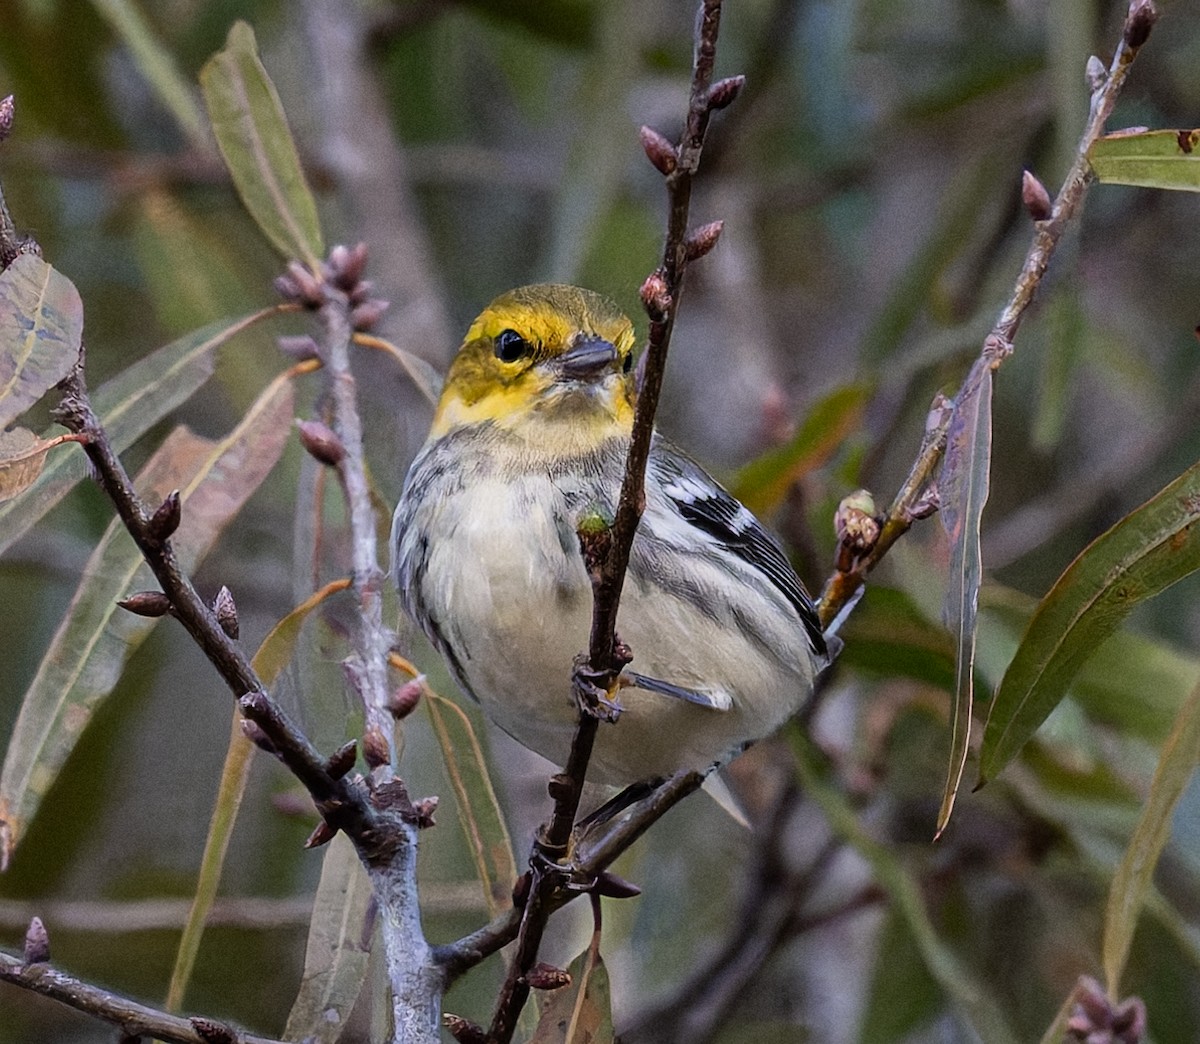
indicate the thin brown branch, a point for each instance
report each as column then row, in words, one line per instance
column 842, row 586
column 132, row 1019
column 347, row 807
column 608, row 558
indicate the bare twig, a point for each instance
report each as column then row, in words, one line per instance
column 133, row 1019
column 841, row 586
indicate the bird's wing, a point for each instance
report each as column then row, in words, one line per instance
column 702, row 503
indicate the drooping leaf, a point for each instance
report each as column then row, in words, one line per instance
column 95, row 638
column 580, row 1013
column 963, row 484
column 335, row 959
column 272, row 656
column 254, row 138
column 158, row 66
column 22, row 457
column 968, row 994
column 764, row 482
column 1150, row 549
column 1163, row 159
column 1131, row 883
column 128, row 405
column 41, row 330
column 479, row 809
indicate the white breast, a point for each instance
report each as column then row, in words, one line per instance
column 508, row 589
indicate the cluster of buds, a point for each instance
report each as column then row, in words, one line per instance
column 857, row 528
column 343, row 272
column 1095, row 1019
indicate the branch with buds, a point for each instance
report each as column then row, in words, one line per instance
column 917, row 496
column 606, row 554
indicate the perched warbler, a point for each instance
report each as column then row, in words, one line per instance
column 530, row 435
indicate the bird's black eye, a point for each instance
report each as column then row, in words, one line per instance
column 627, row 365
column 511, row 346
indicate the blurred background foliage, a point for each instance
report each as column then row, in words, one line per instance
column 869, row 182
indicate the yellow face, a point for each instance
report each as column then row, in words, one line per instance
column 547, row 354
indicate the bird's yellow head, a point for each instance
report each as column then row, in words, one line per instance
column 547, row 361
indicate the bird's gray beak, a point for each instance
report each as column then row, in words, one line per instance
column 587, row 359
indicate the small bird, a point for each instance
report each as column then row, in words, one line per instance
column 530, row 436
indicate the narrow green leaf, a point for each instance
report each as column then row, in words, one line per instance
column 272, row 656
column 1164, row 159
column 968, row 995
column 479, row 809
column 580, row 1013
column 335, row 959
column 158, row 66
column 41, row 330
column 128, row 405
column 254, row 139
column 1180, row 755
column 964, row 480
column 95, row 639
column 764, row 482
column 1146, row 552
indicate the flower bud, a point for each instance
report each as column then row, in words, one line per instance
column 1142, row 16
column 376, row 750
column 225, row 611
column 146, row 603
column 544, row 976
column 1035, row 197
column 656, row 296
column 165, row 519
column 37, row 942
column 722, row 93
column 403, row 701
column 321, row 441
column 703, row 240
column 659, row 151
column 321, row 834
column 341, row 760
column 463, row 1030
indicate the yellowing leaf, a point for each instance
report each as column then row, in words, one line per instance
column 272, row 656
column 254, row 139
column 41, row 330
column 479, row 809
